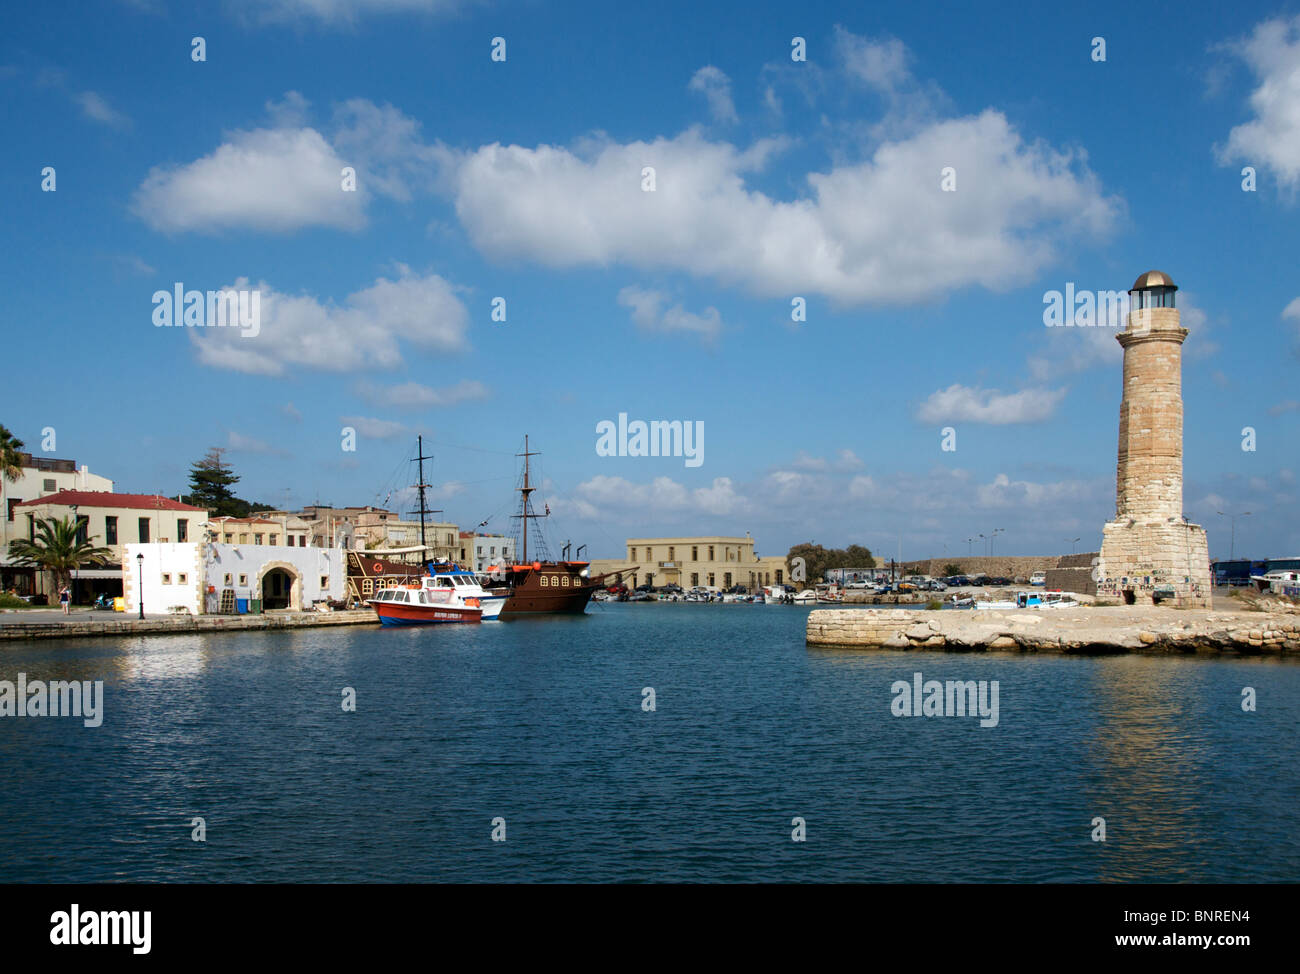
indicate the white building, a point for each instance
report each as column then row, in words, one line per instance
column 492, row 549
column 208, row 578
column 39, row 477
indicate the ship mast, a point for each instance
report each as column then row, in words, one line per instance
column 420, row 488
column 526, row 489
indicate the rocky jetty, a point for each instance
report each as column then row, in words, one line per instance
column 1082, row 630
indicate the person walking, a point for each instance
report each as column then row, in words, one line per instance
column 64, row 599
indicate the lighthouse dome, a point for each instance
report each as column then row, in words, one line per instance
column 1153, row 279
column 1154, row 289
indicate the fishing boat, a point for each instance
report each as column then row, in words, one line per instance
column 434, row 592
column 417, row 605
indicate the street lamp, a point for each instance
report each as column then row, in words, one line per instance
column 996, row 532
column 1073, row 542
column 139, row 561
column 1232, row 544
column 969, row 542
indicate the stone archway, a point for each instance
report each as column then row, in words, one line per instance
column 279, row 586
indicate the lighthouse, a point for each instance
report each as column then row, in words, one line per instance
column 1150, row 551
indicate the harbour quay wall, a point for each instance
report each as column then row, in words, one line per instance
column 181, row 622
column 1085, row 630
column 1008, row 566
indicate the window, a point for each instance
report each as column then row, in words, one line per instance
column 367, row 586
column 243, row 579
column 324, row 581
column 274, row 538
column 182, row 578
column 492, row 551
column 257, row 538
column 695, row 579
column 83, row 528
column 726, row 580
column 545, row 581
column 695, row 552
column 166, row 578
column 144, row 530
column 779, row 577
column 182, row 530
column 228, row 580
column 50, row 487
column 13, row 502
column 110, row 529
column 672, row 553
column 565, row 581
column 710, row 579
column 228, row 538
column 243, row 537
column 710, row 553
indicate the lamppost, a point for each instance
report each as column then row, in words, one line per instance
column 1232, row 544
column 1073, row 542
column 969, row 542
column 996, row 532
column 139, row 561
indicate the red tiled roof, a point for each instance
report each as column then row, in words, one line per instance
column 102, row 498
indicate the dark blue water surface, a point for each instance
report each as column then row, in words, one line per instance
column 540, row 722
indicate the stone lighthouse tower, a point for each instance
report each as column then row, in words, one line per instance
column 1150, row 551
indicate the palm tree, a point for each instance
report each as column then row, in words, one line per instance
column 56, row 549
column 11, row 467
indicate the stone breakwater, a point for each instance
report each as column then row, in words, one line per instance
column 179, row 623
column 1120, row 629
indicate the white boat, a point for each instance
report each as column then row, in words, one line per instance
column 1032, row 600
column 773, row 594
column 806, row 596
column 466, row 587
column 1282, row 582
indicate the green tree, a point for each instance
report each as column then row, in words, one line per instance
column 57, row 548
column 11, row 467
column 952, row 568
column 857, row 556
column 211, row 480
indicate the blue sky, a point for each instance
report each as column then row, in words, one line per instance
column 479, row 178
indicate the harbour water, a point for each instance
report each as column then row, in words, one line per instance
column 540, row 722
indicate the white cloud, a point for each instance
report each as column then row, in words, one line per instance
column 96, row 107
column 716, row 87
column 413, row 395
column 1005, row 493
column 334, row 13
column 368, row 330
column 290, row 410
column 846, row 459
column 661, row 495
column 880, row 64
column 239, row 443
column 1272, row 137
column 649, row 314
column 378, row 429
column 267, row 179
column 878, row 231
column 975, row 405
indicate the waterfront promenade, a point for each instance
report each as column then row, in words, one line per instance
column 52, row 624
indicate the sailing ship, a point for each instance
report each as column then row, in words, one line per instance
column 543, row 586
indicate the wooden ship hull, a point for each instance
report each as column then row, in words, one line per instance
column 549, row 588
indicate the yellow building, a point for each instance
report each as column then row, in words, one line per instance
column 111, row 521
column 712, row 562
column 286, row 531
